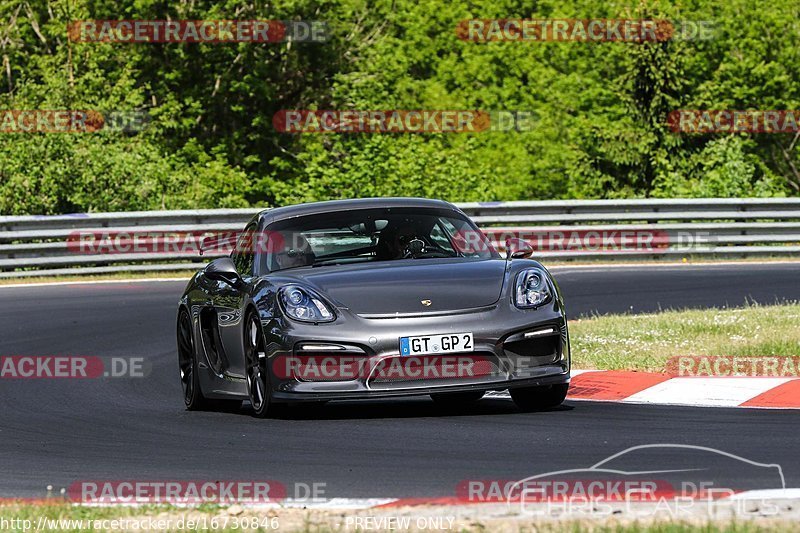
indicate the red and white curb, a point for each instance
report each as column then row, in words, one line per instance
column 664, row 389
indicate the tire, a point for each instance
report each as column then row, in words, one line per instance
column 187, row 363
column 258, row 386
column 454, row 399
column 539, row 398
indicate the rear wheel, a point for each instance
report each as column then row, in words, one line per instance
column 257, row 378
column 187, row 362
column 539, row 398
column 454, row 399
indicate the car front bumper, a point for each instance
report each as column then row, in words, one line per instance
column 518, row 348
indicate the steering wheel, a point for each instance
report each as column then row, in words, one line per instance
column 414, row 248
column 416, row 251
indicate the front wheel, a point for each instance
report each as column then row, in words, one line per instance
column 257, row 378
column 539, row 398
column 187, row 362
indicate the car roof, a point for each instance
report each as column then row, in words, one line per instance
column 269, row 216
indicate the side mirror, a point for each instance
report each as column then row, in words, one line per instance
column 518, row 249
column 223, row 269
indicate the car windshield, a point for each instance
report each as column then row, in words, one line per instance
column 366, row 235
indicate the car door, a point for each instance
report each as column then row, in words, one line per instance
column 229, row 304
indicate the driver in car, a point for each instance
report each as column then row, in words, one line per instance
column 296, row 252
column 400, row 242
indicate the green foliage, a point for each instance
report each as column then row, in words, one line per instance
column 601, row 107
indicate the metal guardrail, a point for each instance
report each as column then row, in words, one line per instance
column 563, row 230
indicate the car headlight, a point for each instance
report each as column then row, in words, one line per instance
column 302, row 304
column 532, row 289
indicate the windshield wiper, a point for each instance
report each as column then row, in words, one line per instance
column 338, row 261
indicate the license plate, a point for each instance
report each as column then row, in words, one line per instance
column 433, row 344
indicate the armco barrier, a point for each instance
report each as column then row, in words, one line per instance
column 719, row 227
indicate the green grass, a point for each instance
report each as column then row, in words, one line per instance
column 207, row 515
column 646, row 342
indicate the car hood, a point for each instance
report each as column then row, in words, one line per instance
column 401, row 286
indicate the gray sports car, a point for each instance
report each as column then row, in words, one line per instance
column 371, row 298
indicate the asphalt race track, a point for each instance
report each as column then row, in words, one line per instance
column 56, row 432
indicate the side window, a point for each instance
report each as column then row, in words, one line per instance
column 467, row 242
column 439, row 237
column 243, row 255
